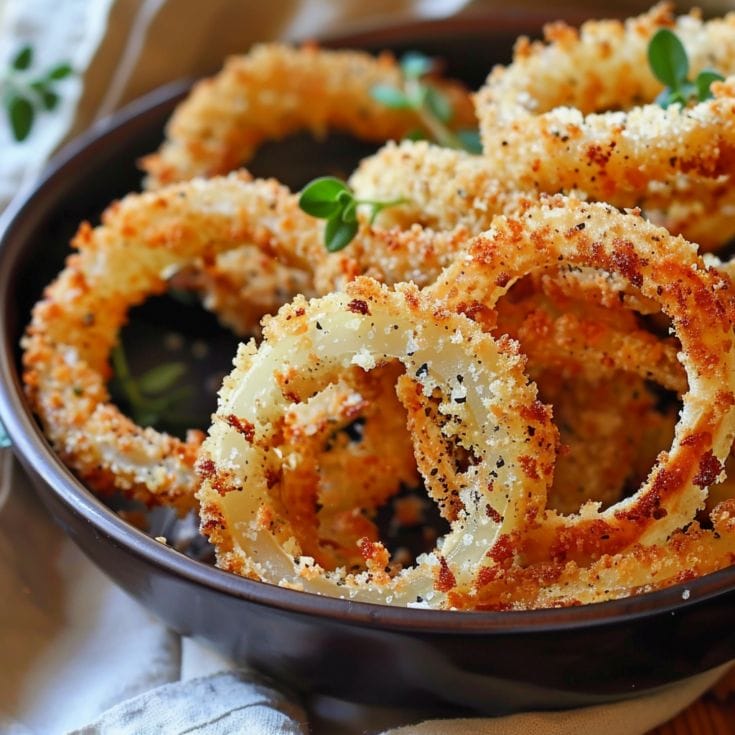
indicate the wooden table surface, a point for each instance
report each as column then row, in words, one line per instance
column 706, row 716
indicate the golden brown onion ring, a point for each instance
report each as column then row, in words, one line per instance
column 274, row 91
column 582, row 339
column 267, row 94
column 332, row 483
column 490, row 410
column 546, row 122
column 142, row 240
column 450, row 190
column 686, row 555
column 610, row 432
column 562, row 232
column 241, row 285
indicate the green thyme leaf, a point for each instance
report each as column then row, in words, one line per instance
column 668, row 58
column 23, row 59
column 670, row 65
column 392, row 98
column 161, row 377
column 23, row 98
column 415, row 65
column 470, row 140
column 60, row 71
column 21, row 115
column 151, row 398
column 704, row 81
column 331, row 199
column 439, row 105
column 320, row 198
column 49, row 99
column 416, row 134
column 432, row 106
column 665, row 98
column 338, row 234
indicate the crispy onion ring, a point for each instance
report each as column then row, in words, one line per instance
column 581, row 338
column 452, row 196
column 564, row 231
column 241, row 285
column 545, row 122
column 332, row 483
column 487, row 405
column 445, row 188
column 274, row 91
column 142, row 239
column 686, row 555
column 610, row 432
column 452, row 191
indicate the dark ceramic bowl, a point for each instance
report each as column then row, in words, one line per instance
column 490, row 662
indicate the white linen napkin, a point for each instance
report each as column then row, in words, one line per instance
column 76, row 653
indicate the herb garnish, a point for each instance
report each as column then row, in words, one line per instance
column 670, row 65
column 430, row 104
column 331, row 199
column 151, row 397
column 25, row 95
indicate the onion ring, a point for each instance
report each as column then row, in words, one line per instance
column 581, row 338
column 686, row 555
column 453, row 191
column 610, row 432
column 267, row 94
column 305, row 348
column 665, row 268
column 332, row 484
column 142, row 239
column 545, row 125
column 274, row 91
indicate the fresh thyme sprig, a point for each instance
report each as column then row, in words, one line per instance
column 24, row 94
column 670, row 65
column 331, row 199
column 431, row 105
column 151, row 397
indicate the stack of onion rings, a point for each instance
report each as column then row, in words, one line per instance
column 410, row 340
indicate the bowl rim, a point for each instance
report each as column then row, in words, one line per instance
column 32, row 448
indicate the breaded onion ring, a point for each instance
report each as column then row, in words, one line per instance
column 488, row 407
column 142, row 239
column 274, row 91
column 610, row 433
column 562, row 232
column 453, row 191
column 546, row 122
column 686, row 555
column 444, row 188
column 331, row 482
column 582, row 339
column 452, row 196
column 267, row 94
column 241, row 285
